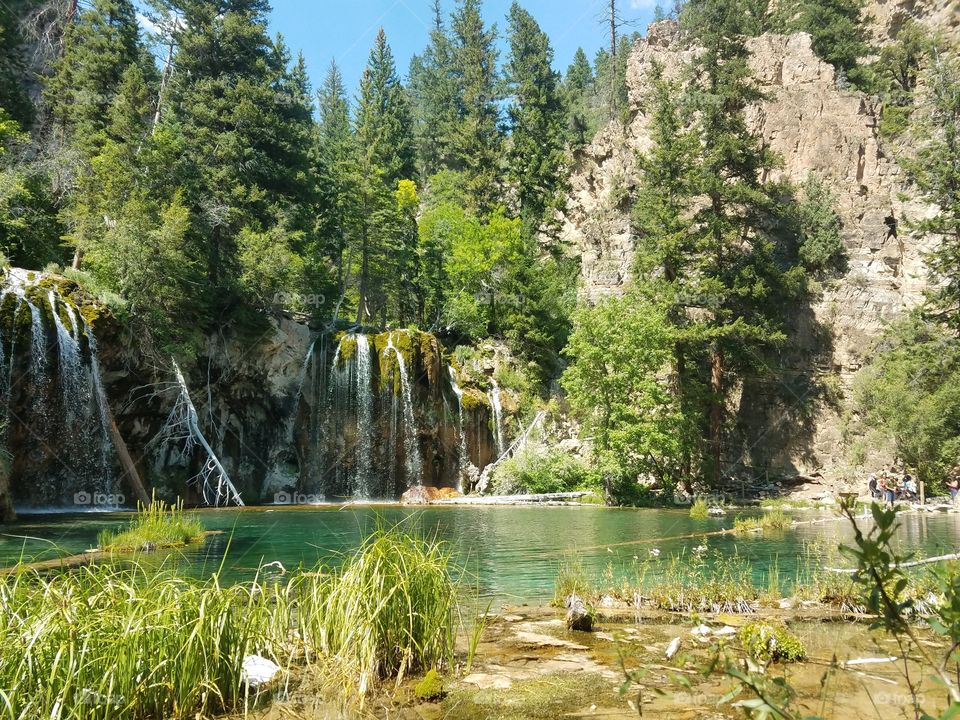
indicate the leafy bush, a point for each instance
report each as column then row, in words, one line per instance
column 910, row 391
column 771, row 643
column 541, row 470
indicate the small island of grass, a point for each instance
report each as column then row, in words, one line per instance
column 156, row 526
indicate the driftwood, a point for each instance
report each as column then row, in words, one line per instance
column 183, row 425
column 914, row 563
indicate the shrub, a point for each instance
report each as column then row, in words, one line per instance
column 540, row 470
column 767, row 642
column 699, row 509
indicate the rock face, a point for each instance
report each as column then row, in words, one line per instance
column 817, row 128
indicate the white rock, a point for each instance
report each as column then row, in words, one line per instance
column 701, row 630
column 725, row 631
column 673, row 647
column 257, row 670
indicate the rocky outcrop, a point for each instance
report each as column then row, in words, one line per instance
column 818, row 129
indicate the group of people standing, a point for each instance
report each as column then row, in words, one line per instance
column 895, row 484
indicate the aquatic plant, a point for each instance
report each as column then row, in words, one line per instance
column 388, row 611
column 158, row 525
column 699, row 510
column 571, row 580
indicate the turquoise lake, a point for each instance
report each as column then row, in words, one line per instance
column 508, row 553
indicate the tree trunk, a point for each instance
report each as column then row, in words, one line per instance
column 613, row 59
column 129, row 469
column 77, row 259
column 716, row 410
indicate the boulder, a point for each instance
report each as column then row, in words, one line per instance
column 579, row 615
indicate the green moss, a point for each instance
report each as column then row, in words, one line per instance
column 473, row 399
column 547, row 696
column 403, row 342
column 348, row 347
column 430, row 688
column 768, row 642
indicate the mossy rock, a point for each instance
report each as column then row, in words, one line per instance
column 430, row 687
column 403, row 342
column 474, row 399
column 769, row 642
column 347, row 343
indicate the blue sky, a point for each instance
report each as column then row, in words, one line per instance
column 345, row 29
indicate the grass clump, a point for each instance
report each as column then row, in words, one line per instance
column 571, row 580
column 701, row 583
column 158, row 525
column 699, row 510
column 768, row 642
column 388, row 611
column 775, row 519
column 124, row 643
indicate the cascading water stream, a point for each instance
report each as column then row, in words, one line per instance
column 365, row 482
column 75, row 389
column 100, row 400
column 462, row 460
column 414, row 465
column 497, row 416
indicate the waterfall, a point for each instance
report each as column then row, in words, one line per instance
column 414, row 465
column 497, row 415
column 461, row 431
column 365, row 482
column 38, row 346
column 100, row 400
column 72, row 377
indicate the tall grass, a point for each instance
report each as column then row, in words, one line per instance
column 155, row 526
column 389, row 610
column 122, row 643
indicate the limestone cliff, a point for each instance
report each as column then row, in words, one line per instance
column 817, row 128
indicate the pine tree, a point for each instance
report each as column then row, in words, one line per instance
column 580, row 92
column 243, row 120
column 479, row 141
column 738, row 277
column 385, row 158
column 666, row 251
column 838, row 30
column 537, row 114
column 935, row 170
column 338, row 167
column 14, row 98
column 99, row 46
column 383, row 116
column 435, row 95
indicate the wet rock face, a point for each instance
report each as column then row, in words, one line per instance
column 380, row 413
column 817, row 128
